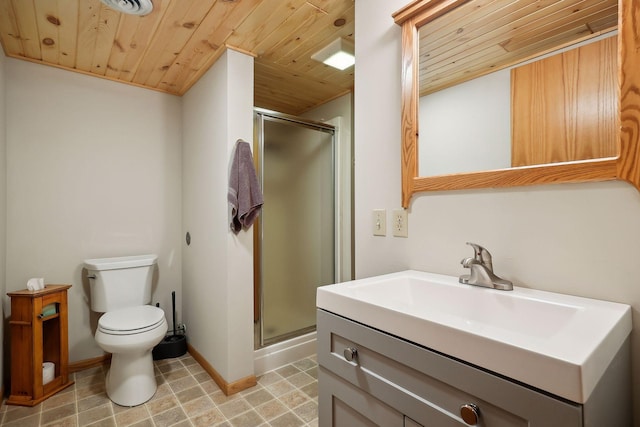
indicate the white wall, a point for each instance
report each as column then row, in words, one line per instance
column 580, row 239
column 377, row 136
column 3, row 212
column 93, row 170
column 218, row 265
column 484, row 104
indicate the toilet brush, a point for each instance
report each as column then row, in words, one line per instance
column 173, row 308
column 171, row 345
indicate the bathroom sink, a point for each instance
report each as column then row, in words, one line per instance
column 558, row 343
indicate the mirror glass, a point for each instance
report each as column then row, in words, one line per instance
column 553, row 137
column 483, row 60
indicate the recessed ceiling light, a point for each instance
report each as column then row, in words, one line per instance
column 337, row 54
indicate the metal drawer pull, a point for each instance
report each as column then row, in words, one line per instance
column 470, row 414
column 350, row 354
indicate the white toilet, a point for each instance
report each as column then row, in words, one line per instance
column 129, row 328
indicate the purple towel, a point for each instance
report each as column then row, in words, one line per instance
column 244, row 196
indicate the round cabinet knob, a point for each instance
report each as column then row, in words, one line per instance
column 350, row 353
column 470, row 414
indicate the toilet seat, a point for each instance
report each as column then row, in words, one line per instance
column 131, row 320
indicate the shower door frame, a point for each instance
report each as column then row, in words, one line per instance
column 260, row 114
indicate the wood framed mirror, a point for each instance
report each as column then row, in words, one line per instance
column 581, row 22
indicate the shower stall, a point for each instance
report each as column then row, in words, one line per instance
column 295, row 238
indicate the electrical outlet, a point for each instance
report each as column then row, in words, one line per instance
column 400, row 223
column 379, row 222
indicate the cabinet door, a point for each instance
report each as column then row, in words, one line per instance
column 429, row 387
column 340, row 404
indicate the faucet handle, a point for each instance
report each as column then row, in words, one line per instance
column 468, row 261
column 481, row 255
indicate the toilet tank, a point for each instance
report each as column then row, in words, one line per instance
column 120, row 282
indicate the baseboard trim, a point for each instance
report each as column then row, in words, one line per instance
column 227, row 388
column 89, row 363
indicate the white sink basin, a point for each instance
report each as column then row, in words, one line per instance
column 558, row 343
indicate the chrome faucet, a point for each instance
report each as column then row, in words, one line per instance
column 481, row 268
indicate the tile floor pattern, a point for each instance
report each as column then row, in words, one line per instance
column 186, row 396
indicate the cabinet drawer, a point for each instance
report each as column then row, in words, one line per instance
column 52, row 299
column 429, row 387
column 343, row 404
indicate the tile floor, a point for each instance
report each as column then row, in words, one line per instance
column 186, row 396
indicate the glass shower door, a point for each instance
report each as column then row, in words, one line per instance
column 297, row 244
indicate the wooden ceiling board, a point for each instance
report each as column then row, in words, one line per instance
column 493, row 23
column 603, row 24
column 88, row 17
column 494, row 54
column 298, row 54
column 47, row 31
column 105, row 36
column 121, row 53
column 208, row 43
column 173, row 33
column 66, row 22
column 467, row 21
column 172, row 47
column 132, row 41
column 307, row 42
column 267, row 76
column 295, row 23
column 569, row 20
column 475, row 33
column 9, row 32
column 493, row 34
column 27, row 27
column 266, row 19
column 485, row 19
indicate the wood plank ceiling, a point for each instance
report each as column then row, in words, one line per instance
column 482, row 36
column 172, row 47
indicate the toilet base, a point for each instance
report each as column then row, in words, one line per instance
column 131, row 379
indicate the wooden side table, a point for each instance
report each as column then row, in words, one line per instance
column 39, row 333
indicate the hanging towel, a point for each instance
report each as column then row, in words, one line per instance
column 244, row 196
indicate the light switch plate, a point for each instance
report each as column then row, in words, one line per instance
column 400, row 223
column 379, row 222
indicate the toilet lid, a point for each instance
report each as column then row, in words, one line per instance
column 131, row 320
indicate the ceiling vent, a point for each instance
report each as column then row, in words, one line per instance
column 131, row 7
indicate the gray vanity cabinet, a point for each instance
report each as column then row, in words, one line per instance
column 369, row 378
column 350, row 406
